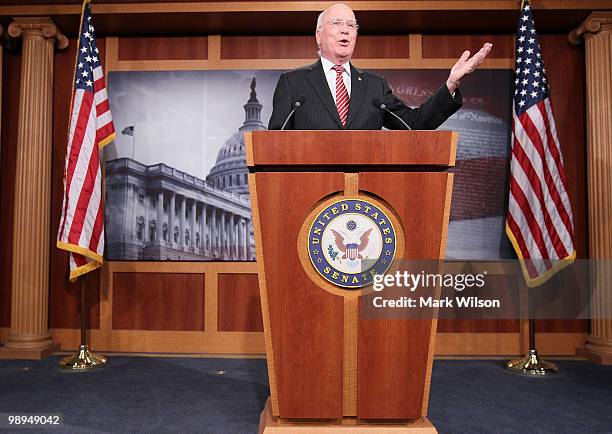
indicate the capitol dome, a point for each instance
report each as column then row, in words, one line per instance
column 230, row 171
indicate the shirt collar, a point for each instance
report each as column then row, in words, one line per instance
column 327, row 66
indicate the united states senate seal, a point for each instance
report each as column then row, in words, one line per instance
column 350, row 241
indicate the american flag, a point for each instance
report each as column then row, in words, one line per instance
column 81, row 230
column 539, row 221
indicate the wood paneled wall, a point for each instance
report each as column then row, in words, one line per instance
column 134, row 306
column 10, row 104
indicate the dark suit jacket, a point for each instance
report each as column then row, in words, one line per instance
column 319, row 110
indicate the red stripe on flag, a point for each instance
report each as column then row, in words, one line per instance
column 559, row 164
column 518, row 236
column 97, row 229
column 79, row 260
column 84, row 197
column 532, row 131
column 534, row 227
column 99, row 84
column 104, row 132
column 103, row 107
column 75, row 149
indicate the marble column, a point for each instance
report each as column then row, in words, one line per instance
column 192, row 225
column 171, row 214
column 182, row 210
column 245, row 235
column 159, row 233
column 213, row 230
column 29, row 336
column 596, row 31
column 236, row 230
column 240, row 241
column 249, row 230
column 222, row 235
column 231, row 228
column 203, row 230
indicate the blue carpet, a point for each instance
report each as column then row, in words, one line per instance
column 141, row 394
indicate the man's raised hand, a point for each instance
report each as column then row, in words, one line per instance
column 465, row 65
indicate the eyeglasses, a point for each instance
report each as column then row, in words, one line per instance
column 337, row 23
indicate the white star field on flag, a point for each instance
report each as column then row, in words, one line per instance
column 87, row 60
column 531, row 85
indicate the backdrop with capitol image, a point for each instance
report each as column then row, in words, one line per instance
column 176, row 175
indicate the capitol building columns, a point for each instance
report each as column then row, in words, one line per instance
column 203, row 229
column 192, row 225
column 183, row 209
column 158, row 212
column 160, row 218
column 171, row 213
column 223, row 234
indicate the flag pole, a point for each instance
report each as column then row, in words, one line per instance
column 83, row 360
column 532, row 363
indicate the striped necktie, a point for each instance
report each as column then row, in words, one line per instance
column 342, row 96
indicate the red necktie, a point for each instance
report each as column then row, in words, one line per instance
column 342, row 96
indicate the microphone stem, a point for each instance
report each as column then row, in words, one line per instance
column 289, row 117
column 398, row 118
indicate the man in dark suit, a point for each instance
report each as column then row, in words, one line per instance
column 334, row 95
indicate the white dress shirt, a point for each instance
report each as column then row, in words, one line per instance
column 330, row 75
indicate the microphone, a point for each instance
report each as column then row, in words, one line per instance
column 296, row 105
column 379, row 104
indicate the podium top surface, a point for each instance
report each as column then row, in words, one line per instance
column 359, row 148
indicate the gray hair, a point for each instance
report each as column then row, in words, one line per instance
column 320, row 22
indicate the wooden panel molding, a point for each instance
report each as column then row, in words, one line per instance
column 452, row 46
column 11, row 78
column 239, row 303
column 163, row 48
column 460, row 345
column 105, row 7
column 304, row 47
column 158, row 301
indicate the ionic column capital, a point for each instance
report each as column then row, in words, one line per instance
column 37, row 28
column 598, row 23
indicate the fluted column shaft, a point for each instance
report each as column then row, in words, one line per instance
column 203, row 231
column 192, row 224
column 222, row 234
column 231, row 224
column 240, row 246
column 171, row 213
column 160, row 219
column 213, row 230
column 245, row 235
column 29, row 335
column 597, row 33
column 183, row 208
column 249, row 226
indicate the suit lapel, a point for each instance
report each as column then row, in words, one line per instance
column 358, row 90
column 319, row 83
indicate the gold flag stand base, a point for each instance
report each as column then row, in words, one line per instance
column 83, row 360
column 532, row 364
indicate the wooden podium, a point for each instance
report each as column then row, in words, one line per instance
column 329, row 368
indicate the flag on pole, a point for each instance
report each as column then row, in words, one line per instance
column 81, row 230
column 128, row 131
column 539, row 222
